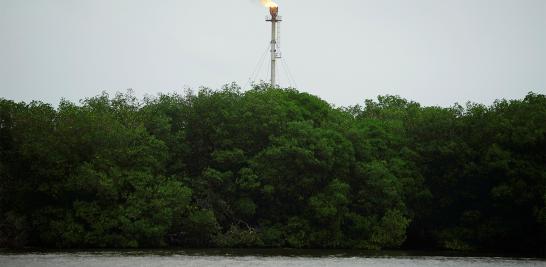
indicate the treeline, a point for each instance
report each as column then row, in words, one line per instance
column 272, row 168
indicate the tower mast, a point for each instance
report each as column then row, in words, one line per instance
column 274, row 19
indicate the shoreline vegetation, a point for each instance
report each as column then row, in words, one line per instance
column 273, row 168
column 273, row 252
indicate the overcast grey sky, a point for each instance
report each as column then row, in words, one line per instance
column 436, row 52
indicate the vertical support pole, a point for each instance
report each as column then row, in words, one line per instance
column 273, row 51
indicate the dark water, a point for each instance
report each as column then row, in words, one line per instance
column 215, row 258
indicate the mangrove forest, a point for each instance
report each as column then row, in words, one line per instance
column 272, row 167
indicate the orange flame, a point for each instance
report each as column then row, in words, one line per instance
column 269, row 3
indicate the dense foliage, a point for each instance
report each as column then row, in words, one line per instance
column 272, row 168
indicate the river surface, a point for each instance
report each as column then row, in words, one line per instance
column 273, row 258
